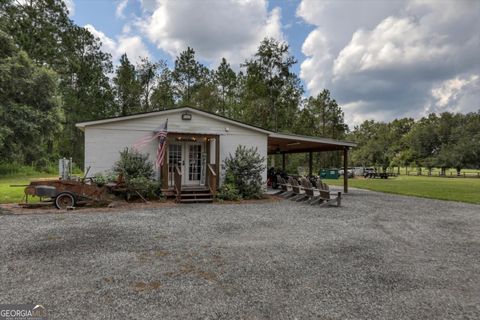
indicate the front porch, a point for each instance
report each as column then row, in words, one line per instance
column 190, row 172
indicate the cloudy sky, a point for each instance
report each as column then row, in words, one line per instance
column 380, row 59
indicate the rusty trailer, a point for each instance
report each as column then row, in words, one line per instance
column 66, row 194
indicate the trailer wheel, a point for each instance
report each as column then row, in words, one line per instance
column 64, row 200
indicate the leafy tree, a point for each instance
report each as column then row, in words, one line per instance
column 43, row 29
column 30, row 113
column 424, row 143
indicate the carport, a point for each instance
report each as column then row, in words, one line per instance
column 280, row 143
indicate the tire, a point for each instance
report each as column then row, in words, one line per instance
column 64, row 200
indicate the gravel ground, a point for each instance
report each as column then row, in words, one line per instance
column 379, row 256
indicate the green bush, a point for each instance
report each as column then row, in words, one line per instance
column 228, row 192
column 102, row 179
column 137, row 171
column 244, row 170
column 147, row 188
column 133, row 164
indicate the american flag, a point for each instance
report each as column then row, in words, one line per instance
column 161, row 134
column 162, row 139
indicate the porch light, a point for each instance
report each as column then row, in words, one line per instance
column 186, row 116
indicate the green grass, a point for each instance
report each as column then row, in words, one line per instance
column 15, row 194
column 455, row 189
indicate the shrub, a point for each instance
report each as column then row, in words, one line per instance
column 147, row 188
column 244, row 170
column 103, row 178
column 133, row 164
column 228, row 192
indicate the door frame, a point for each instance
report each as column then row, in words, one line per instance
column 184, row 167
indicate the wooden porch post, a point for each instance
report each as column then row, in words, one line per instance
column 217, row 159
column 207, row 150
column 310, row 164
column 164, row 169
column 283, row 162
column 345, row 169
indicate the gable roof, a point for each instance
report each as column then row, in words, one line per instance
column 82, row 125
column 272, row 135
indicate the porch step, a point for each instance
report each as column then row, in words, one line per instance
column 191, row 200
column 196, row 195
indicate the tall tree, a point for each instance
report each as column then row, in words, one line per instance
column 147, row 75
column 186, row 74
column 226, row 81
column 163, row 94
column 273, row 91
column 42, row 28
column 127, row 87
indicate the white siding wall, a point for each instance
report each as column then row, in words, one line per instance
column 103, row 142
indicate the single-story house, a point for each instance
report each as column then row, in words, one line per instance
column 197, row 143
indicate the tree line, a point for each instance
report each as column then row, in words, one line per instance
column 54, row 74
column 441, row 141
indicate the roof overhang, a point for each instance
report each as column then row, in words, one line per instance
column 82, row 125
column 291, row 143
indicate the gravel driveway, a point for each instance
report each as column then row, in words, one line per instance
column 379, row 256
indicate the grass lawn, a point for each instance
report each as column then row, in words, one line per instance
column 456, row 189
column 15, row 194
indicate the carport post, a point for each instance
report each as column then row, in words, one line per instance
column 345, row 169
column 310, row 162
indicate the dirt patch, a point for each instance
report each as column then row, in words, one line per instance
column 146, row 286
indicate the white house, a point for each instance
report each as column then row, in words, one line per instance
column 197, row 143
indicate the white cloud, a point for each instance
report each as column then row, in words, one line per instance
column 119, row 10
column 386, row 59
column 457, row 94
column 132, row 45
column 232, row 29
column 70, row 6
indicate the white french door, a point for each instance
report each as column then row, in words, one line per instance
column 190, row 157
column 194, row 166
column 175, row 158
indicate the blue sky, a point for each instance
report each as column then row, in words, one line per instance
column 380, row 59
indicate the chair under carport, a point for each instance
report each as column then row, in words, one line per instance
column 280, row 143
